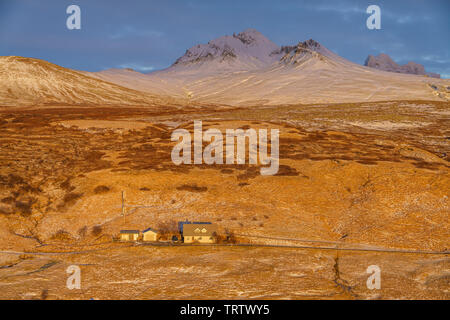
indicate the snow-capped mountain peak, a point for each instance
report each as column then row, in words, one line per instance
column 252, row 37
column 244, row 50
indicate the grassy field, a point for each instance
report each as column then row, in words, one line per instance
column 364, row 174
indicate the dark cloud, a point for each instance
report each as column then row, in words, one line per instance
column 153, row 34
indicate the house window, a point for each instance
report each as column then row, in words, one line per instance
column 204, row 230
column 197, row 230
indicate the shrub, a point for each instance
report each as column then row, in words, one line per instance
column 101, row 189
column 192, row 188
column 94, row 155
column 66, row 185
column 230, row 237
column 219, row 238
column 14, row 180
column 96, row 230
column 24, row 207
column 168, row 227
column 71, row 197
column 61, row 235
column 8, row 200
column 82, row 232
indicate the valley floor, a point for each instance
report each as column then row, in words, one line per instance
column 363, row 175
column 226, row 273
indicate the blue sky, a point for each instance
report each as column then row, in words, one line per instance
column 150, row 35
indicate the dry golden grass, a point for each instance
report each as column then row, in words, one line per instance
column 340, row 180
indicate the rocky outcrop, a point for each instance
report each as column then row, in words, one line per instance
column 385, row 63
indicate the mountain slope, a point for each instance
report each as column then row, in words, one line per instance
column 27, row 81
column 310, row 73
column 141, row 82
column 235, row 71
column 307, row 76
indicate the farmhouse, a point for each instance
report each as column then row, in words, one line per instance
column 129, row 235
column 150, row 234
column 199, row 232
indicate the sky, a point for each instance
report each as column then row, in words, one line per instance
column 150, row 35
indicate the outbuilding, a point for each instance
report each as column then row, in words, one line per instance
column 150, row 234
column 129, row 235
